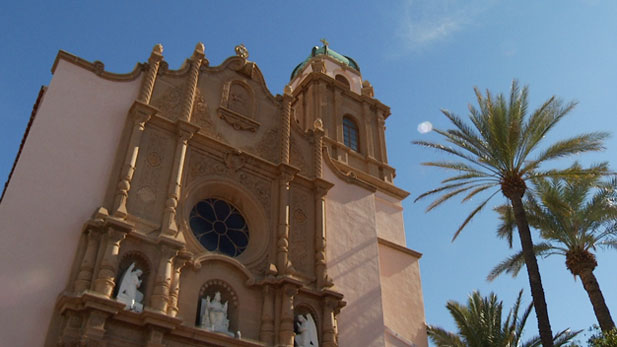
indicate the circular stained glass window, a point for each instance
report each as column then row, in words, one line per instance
column 219, row 227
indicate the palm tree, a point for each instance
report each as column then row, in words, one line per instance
column 574, row 216
column 480, row 324
column 496, row 151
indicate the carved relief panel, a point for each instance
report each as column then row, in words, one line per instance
column 301, row 233
column 167, row 96
column 238, row 106
column 149, row 187
column 301, row 153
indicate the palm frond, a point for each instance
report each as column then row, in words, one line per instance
column 514, row 263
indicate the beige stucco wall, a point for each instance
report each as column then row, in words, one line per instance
column 59, row 181
column 403, row 305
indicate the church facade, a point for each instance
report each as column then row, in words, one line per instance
column 192, row 207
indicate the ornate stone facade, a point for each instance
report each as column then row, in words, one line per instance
column 198, row 143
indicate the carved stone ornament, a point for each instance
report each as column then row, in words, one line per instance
column 241, row 51
column 237, row 106
column 237, row 121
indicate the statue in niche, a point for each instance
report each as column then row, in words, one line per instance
column 214, row 315
column 306, row 335
column 128, row 293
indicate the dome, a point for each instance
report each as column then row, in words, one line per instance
column 325, row 50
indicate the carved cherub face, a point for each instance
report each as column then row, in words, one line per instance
column 138, row 272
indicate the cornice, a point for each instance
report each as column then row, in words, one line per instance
column 398, row 247
column 360, row 178
column 97, row 67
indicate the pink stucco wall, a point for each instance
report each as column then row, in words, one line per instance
column 59, row 181
column 403, row 305
column 381, row 283
column 353, row 262
column 389, row 218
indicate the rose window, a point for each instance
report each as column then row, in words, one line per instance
column 219, row 227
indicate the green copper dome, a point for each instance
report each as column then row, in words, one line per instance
column 325, row 50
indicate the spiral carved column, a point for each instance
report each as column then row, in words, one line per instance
column 286, row 125
column 145, row 93
column 189, row 97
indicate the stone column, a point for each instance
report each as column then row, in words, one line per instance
column 147, row 86
column 282, row 245
column 105, row 281
column 185, row 132
column 140, row 113
column 180, row 261
column 189, row 97
column 329, row 323
column 86, row 269
column 286, row 330
column 266, row 332
column 286, row 125
column 318, row 133
column 162, row 283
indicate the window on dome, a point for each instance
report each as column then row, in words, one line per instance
column 342, row 78
column 350, row 133
column 219, row 227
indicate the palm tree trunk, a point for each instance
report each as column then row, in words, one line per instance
column 597, row 300
column 533, row 272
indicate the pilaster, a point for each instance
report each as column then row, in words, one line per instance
column 86, row 269
column 179, row 262
column 162, row 284
column 266, row 331
column 185, row 131
column 140, row 113
column 286, row 330
column 108, row 268
column 286, row 174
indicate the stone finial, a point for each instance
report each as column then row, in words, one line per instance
column 367, row 89
column 241, row 51
column 157, row 49
column 199, row 49
column 318, row 124
column 288, row 90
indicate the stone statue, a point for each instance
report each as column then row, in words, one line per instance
column 307, row 331
column 128, row 293
column 214, row 315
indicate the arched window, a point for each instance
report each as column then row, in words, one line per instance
column 350, row 133
column 219, row 227
column 342, row 78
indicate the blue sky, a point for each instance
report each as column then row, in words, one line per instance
column 420, row 56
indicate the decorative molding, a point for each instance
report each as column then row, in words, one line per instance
column 97, row 67
column 399, row 248
column 237, row 121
